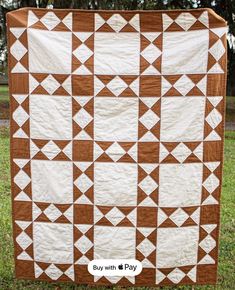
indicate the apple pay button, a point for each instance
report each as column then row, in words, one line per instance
column 115, row 267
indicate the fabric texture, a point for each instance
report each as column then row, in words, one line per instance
column 117, row 122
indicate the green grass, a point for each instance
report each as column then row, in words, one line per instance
column 4, row 93
column 4, row 102
column 227, row 247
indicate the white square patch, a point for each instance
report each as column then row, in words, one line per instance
column 53, row 243
column 114, row 242
column 49, row 51
column 116, row 119
column 177, row 247
column 52, row 181
column 115, row 184
column 117, row 53
column 50, row 117
column 182, row 119
column 180, row 184
column 185, row 52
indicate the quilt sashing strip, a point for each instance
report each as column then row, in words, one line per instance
column 117, row 122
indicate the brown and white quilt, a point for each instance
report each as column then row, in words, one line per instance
column 117, row 122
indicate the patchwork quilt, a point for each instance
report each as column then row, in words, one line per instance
column 117, row 122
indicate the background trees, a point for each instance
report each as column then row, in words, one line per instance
column 225, row 8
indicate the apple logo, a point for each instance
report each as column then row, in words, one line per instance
column 120, row 267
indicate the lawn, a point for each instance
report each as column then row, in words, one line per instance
column 4, row 102
column 227, row 246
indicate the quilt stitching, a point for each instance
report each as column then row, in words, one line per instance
column 116, row 139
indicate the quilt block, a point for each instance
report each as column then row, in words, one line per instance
column 117, row 122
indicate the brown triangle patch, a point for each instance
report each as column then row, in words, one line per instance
column 39, row 25
column 89, row 254
column 141, row 174
column 89, row 129
column 61, row 143
column 207, row 129
column 172, row 79
column 76, row 42
column 168, row 210
column 40, row 143
column 201, row 254
column 27, row 169
column 154, row 196
column 189, row 222
column 186, row 280
column 24, row 61
column 141, row 196
column 40, row 90
column 128, row 79
column 89, row 107
column 125, row 222
column 90, row 194
column 128, row 28
column 42, row 218
column 76, row 129
column 127, row 93
column 104, row 145
column 152, row 237
column 104, row 221
column 61, row 27
column 104, row 158
column 39, row 77
column 28, row 190
column 104, row 209
column 25, row 105
column 62, row 219
column 213, row 38
column 139, row 237
column 105, row 79
column 105, row 92
column 29, row 251
column 142, row 108
column 198, row 26
column 126, row 158
column 152, row 257
column 41, row 156
column 144, row 64
column 61, row 91
column 172, row 92
column 90, row 63
column 168, row 223
column 144, row 42
column 158, row 63
column 77, row 254
column 166, row 271
column 139, row 256
column 25, row 127
column 158, row 41
column 211, row 61
column 196, row 78
column 142, row 130
column 156, row 108
column 75, row 63
column 105, row 28
column 90, row 42
column 170, row 146
column 195, row 92
column 209, row 108
column 192, row 145
column 174, row 27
